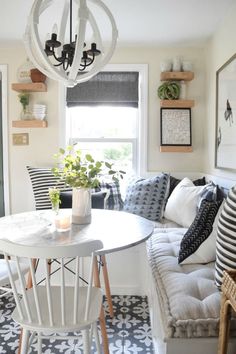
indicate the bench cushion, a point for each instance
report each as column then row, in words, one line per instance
column 189, row 299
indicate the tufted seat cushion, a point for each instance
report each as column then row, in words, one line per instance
column 189, row 299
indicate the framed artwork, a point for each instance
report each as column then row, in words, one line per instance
column 225, row 141
column 176, row 127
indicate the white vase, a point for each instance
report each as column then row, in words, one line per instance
column 81, row 206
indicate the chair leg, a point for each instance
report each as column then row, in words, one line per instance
column 39, row 343
column 85, row 334
column 96, row 337
column 25, row 341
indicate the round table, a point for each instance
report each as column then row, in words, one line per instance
column 117, row 230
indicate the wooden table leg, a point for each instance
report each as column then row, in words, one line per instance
column 28, row 286
column 107, row 285
column 97, row 283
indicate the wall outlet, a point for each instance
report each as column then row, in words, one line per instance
column 20, row 139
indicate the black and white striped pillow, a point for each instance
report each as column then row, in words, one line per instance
column 226, row 237
column 42, row 179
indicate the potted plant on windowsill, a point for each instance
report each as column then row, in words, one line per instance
column 81, row 172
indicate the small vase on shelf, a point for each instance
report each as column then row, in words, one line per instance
column 26, row 114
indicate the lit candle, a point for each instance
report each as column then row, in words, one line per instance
column 62, row 222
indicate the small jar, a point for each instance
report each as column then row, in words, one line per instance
column 166, row 65
column 187, row 65
column 23, row 72
column 26, row 114
column 176, row 64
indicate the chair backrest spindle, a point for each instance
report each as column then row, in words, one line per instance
column 76, row 289
column 47, row 305
column 13, row 286
column 35, row 290
column 23, row 289
column 62, row 292
column 49, row 294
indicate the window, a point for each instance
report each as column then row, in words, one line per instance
column 107, row 126
column 107, row 132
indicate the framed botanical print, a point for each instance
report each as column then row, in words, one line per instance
column 225, row 141
column 176, row 127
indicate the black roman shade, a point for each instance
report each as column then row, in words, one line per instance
column 116, row 88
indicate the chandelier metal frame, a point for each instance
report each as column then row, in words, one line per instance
column 83, row 64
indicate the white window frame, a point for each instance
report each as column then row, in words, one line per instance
column 5, row 151
column 140, row 163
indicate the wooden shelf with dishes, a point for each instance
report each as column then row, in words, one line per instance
column 34, row 123
column 29, row 87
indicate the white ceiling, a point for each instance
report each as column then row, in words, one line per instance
column 155, row 22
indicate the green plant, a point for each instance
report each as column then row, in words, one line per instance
column 169, row 90
column 24, row 100
column 54, row 196
column 82, row 171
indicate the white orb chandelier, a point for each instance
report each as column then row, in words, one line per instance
column 72, row 60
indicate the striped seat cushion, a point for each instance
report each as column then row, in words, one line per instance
column 226, row 237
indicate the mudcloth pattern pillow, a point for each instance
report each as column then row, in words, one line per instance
column 147, row 197
column 226, row 237
column 199, row 230
column 42, row 179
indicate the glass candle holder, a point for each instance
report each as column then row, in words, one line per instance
column 63, row 222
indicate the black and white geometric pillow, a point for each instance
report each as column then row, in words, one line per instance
column 199, row 230
column 226, row 237
column 42, row 179
column 147, row 197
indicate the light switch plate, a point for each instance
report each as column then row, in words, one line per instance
column 20, row 139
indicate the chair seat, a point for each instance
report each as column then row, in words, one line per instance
column 57, row 326
column 4, row 277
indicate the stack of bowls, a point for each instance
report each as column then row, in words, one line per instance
column 39, row 111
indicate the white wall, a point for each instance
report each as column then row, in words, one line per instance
column 220, row 48
column 43, row 143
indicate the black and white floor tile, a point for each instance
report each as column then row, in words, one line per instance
column 129, row 332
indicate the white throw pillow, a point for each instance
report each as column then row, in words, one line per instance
column 207, row 251
column 182, row 204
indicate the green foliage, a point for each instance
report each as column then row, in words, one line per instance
column 169, row 90
column 24, row 99
column 81, row 171
column 54, row 196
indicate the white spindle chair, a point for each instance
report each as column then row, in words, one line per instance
column 46, row 309
column 4, row 277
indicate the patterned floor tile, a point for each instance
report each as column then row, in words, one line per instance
column 128, row 331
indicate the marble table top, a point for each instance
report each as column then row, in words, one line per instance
column 116, row 229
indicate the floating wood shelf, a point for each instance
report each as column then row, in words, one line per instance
column 177, row 103
column 176, row 148
column 29, row 123
column 30, row 87
column 177, row 75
